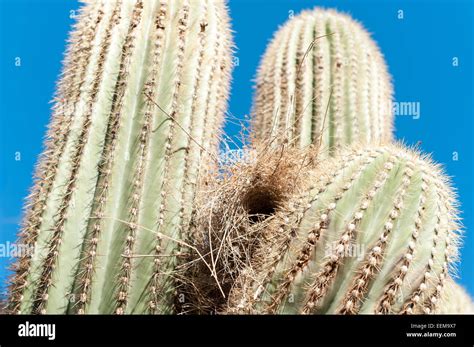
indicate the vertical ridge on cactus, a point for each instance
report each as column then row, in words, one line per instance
column 135, row 127
column 323, row 80
column 376, row 231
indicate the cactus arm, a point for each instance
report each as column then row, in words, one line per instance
column 390, row 203
column 63, row 197
column 46, row 170
column 183, row 152
column 148, row 84
column 82, row 178
column 351, row 87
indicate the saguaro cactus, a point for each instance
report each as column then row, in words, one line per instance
column 375, row 232
column 323, row 80
column 138, row 111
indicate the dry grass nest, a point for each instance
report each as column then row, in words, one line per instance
column 232, row 213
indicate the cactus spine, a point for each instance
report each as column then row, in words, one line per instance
column 323, row 80
column 376, row 232
column 138, row 111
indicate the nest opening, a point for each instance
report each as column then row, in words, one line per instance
column 237, row 208
column 260, row 203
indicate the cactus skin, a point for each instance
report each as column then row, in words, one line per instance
column 455, row 300
column 394, row 205
column 323, row 80
column 136, row 123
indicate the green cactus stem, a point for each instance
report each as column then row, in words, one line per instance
column 135, row 126
column 323, row 80
column 375, row 231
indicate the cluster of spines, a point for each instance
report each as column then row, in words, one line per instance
column 296, row 264
column 323, row 80
column 130, row 90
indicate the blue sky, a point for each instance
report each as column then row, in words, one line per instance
column 419, row 50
